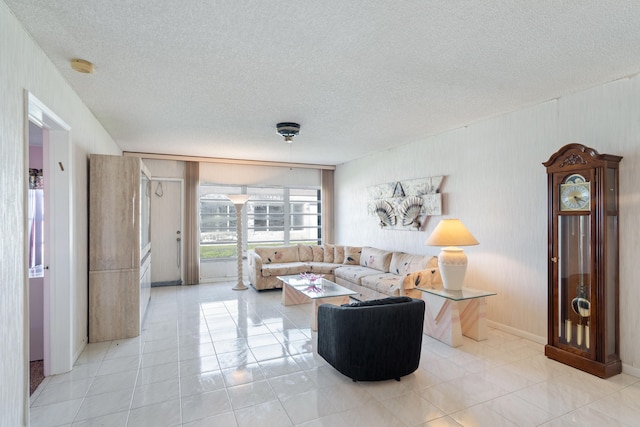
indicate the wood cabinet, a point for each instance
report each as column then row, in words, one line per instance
column 583, row 233
column 119, row 246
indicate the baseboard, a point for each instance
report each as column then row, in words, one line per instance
column 169, row 283
column 626, row 369
column 517, row 332
column 630, row 370
column 79, row 352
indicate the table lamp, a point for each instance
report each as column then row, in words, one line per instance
column 452, row 260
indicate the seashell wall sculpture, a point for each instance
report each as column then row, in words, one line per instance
column 404, row 205
column 385, row 212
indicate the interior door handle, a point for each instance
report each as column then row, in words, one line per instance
column 178, row 240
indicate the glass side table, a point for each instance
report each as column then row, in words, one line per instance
column 451, row 314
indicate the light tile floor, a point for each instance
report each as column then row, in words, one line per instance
column 210, row 356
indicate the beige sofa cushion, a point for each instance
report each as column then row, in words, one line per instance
column 328, row 253
column 318, row 253
column 386, row 283
column 322, row 267
column 376, row 258
column 338, row 254
column 403, row 264
column 355, row 273
column 284, row 269
column 278, row 254
column 305, row 253
column 352, row 255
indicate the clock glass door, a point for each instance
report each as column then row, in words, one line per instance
column 574, row 281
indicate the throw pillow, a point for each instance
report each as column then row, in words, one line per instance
column 352, row 255
column 338, row 254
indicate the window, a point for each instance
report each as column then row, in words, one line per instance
column 217, row 222
column 272, row 216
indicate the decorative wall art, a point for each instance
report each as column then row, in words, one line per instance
column 404, row 205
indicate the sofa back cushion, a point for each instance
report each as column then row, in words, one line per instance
column 328, row 253
column 338, row 254
column 402, row 263
column 376, row 258
column 318, row 253
column 352, row 255
column 278, row 254
column 305, row 253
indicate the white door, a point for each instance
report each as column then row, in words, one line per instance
column 166, row 232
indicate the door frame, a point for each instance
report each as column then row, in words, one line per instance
column 60, row 280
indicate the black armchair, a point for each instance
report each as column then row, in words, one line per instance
column 372, row 340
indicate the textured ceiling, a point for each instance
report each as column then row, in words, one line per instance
column 212, row 78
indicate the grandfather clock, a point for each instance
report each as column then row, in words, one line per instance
column 583, row 228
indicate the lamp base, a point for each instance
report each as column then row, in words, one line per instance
column 240, row 286
column 453, row 267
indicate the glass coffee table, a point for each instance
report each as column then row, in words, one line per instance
column 298, row 289
column 451, row 314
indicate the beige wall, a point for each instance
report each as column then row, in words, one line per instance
column 495, row 182
column 23, row 66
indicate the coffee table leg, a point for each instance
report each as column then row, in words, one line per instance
column 319, row 301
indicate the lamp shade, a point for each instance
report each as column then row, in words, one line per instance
column 451, row 232
column 238, row 199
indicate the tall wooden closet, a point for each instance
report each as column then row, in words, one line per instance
column 119, row 246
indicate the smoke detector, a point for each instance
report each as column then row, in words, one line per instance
column 288, row 130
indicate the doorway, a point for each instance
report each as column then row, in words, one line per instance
column 57, row 250
column 166, row 231
column 36, row 251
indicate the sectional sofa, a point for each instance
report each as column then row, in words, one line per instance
column 372, row 273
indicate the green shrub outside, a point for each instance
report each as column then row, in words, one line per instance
column 229, row 251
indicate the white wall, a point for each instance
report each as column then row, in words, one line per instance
column 220, row 173
column 495, row 182
column 23, row 66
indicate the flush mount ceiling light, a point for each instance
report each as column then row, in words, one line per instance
column 288, row 130
column 82, row 66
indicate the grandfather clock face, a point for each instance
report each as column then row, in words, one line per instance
column 575, row 194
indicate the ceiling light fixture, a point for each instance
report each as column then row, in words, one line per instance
column 288, row 130
column 82, row 66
